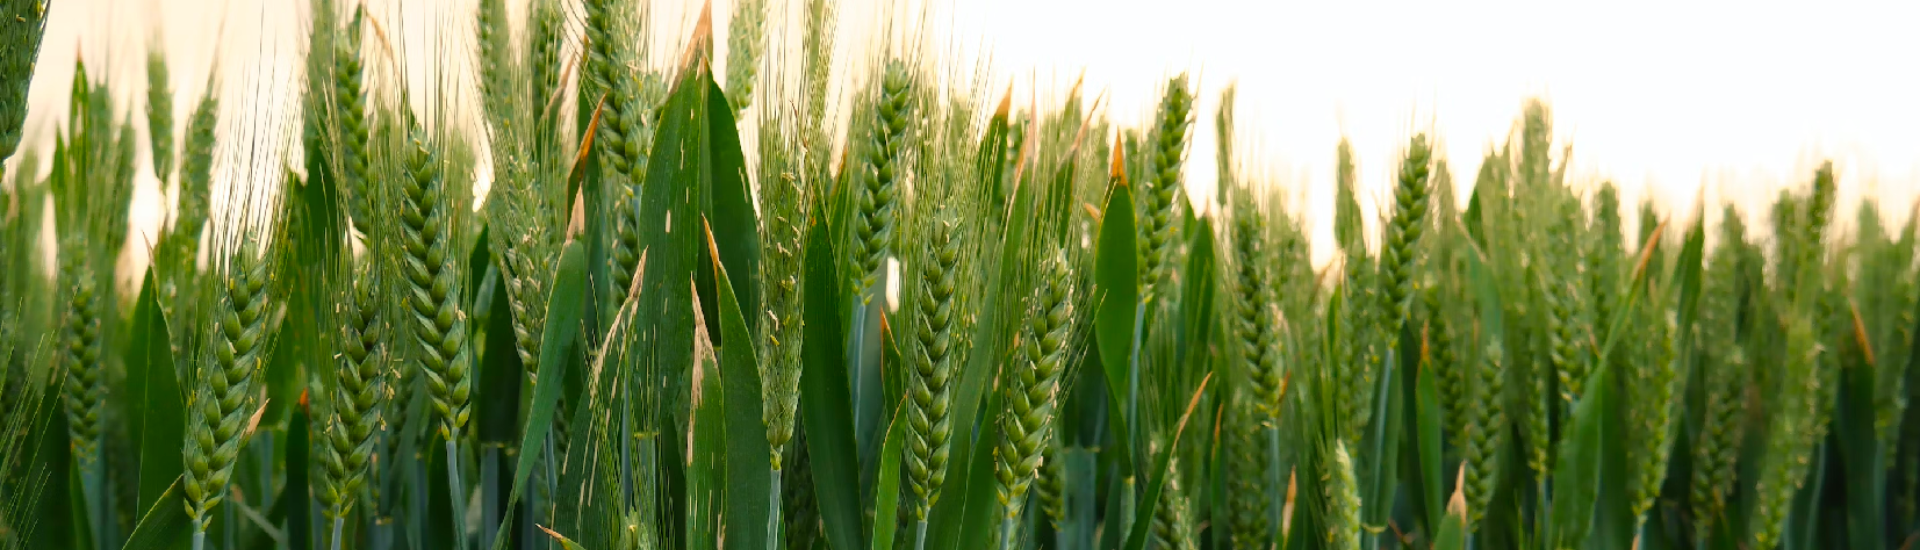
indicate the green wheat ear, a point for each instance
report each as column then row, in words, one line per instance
column 879, row 198
column 746, row 38
column 432, row 269
column 1031, row 395
column 361, row 382
column 1163, row 185
column 1723, row 379
column 225, row 402
column 160, row 115
column 20, row 36
column 936, row 356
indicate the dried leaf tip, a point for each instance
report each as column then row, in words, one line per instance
column 700, row 46
column 713, row 250
column 1860, row 335
column 1118, row 172
column 1006, row 103
column 1646, row 252
column 1457, row 505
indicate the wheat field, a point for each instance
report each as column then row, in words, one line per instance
column 618, row 274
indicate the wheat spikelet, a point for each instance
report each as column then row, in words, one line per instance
column 786, row 196
column 1342, row 498
column 1398, row 249
column 1172, row 525
column 356, row 404
column 25, row 26
column 1246, row 473
column 225, row 400
column 874, row 228
column 81, row 350
column 1050, row 487
column 1655, row 393
column 1723, row 394
column 1791, row 434
column 633, row 144
column 1159, row 209
column 1031, row 395
column 746, row 37
column 349, row 120
column 1255, row 331
column 433, row 274
column 935, row 358
column 1485, row 431
column 160, row 115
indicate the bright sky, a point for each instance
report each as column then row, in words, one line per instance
column 1661, row 97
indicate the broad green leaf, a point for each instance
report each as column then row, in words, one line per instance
column 728, row 206
column 749, row 458
column 163, row 417
column 1163, row 467
column 886, row 497
column 1114, row 275
column 165, row 525
column 826, row 407
column 564, row 308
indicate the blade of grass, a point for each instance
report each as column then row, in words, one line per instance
column 750, row 523
column 163, row 526
column 163, row 408
column 826, row 407
column 886, row 498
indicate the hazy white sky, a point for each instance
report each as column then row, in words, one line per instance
column 1665, row 97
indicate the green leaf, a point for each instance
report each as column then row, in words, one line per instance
column 826, row 407
column 564, row 308
column 729, row 207
column 165, row 526
column 295, row 502
column 1163, row 468
column 886, row 497
column 749, row 458
column 1115, row 274
column 163, row 419
column 1426, row 411
column 707, row 465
